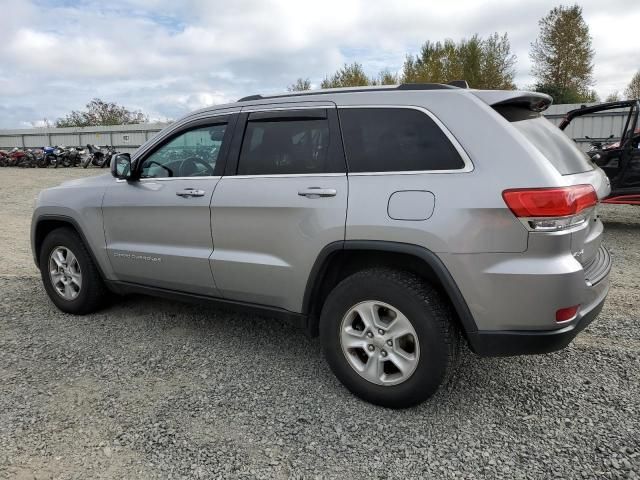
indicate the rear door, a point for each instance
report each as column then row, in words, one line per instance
column 158, row 229
column 283, row 200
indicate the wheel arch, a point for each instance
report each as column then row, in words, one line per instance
column 46, row 224
column 341, row 259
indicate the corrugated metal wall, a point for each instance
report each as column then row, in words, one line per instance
column 127, row 138
column 598, row 126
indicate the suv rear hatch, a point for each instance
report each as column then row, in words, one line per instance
column 522, row 110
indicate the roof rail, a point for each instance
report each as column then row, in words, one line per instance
column 250, row 97
column 385, row 88
column 459, row 83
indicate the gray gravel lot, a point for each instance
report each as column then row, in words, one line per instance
column 155, row 389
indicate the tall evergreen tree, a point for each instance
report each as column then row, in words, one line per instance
column 562, row 55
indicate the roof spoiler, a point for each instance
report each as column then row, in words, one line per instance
column 534, row 101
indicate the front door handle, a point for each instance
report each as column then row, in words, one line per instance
column 317, row 192
column 190, row 192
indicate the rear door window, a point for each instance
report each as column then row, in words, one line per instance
column 549, row 140
column 395, row 140
column 284, row 143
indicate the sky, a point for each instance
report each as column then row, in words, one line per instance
column 169, row 57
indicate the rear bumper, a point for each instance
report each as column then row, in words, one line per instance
column 495, row 343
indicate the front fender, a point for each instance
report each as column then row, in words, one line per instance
column 78, row 208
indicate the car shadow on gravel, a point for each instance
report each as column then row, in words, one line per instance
column 273, row 346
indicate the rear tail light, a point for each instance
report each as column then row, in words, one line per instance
column 550, row 209
column 567, row 314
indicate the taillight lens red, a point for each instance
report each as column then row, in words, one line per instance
column 550, row 202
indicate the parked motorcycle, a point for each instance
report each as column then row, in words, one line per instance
column 61, row 156
column 16, row 157
column 4, row 156
column 49, row 157
column 75, row 156
column 98, row 157
column 111, row 151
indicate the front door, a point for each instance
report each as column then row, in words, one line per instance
column 285, row 200
column 158, row 229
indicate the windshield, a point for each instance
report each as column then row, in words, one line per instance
column 565, row 156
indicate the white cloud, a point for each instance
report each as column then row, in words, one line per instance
column 166, row 57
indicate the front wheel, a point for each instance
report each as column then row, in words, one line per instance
column 388, row 336
column 68, row 273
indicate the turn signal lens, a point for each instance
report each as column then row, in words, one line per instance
column 550, row 202
column 566, row 314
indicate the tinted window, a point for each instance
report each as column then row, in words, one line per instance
column 285, row 146
column 395, row 140
column 191, row 154
column 562, row 152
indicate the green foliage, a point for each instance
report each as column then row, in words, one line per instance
column 484, row 63
column 385, row 77
column 562, row 55
column 301, row 85
column 567, row 95
column 102, row 113
column 348, row 76
column 632, row 91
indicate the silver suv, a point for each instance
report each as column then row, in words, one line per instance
column 393, row 221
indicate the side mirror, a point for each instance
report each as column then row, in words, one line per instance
column 121, row 166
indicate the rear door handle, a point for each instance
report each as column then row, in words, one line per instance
column 317, row 192
column 190, row 192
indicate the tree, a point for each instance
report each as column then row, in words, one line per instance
column 301, row 85
column 484, row 63
column 562, row 55
column 613, row 97
column 348, row 76
column 385, row 77
column 632, row 91
column 101, row 113
column 566, row 95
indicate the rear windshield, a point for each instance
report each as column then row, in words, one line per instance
column 561, row 151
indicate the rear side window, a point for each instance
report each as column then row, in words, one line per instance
column 280, row 146
column 395, row 140
column 549, row 140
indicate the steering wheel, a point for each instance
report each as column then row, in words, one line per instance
column 188, row 167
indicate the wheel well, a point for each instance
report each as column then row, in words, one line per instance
column 44, row 228
column 342, row 263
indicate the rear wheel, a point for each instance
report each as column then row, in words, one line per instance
column 388, row 336
column 69, row 275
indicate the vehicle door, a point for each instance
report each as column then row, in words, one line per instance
column 284, row 200
column 158, row 228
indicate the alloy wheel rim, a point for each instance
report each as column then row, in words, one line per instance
column 379, row 343
column 65, row 273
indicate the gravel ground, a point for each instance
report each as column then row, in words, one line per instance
column 156, row 389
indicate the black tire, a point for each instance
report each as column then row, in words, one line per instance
column 93, row 293
column 429, row 315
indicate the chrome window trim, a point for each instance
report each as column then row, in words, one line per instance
column 166, row 179
column 290, row 175
column 468, row 164
column 258, row 108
